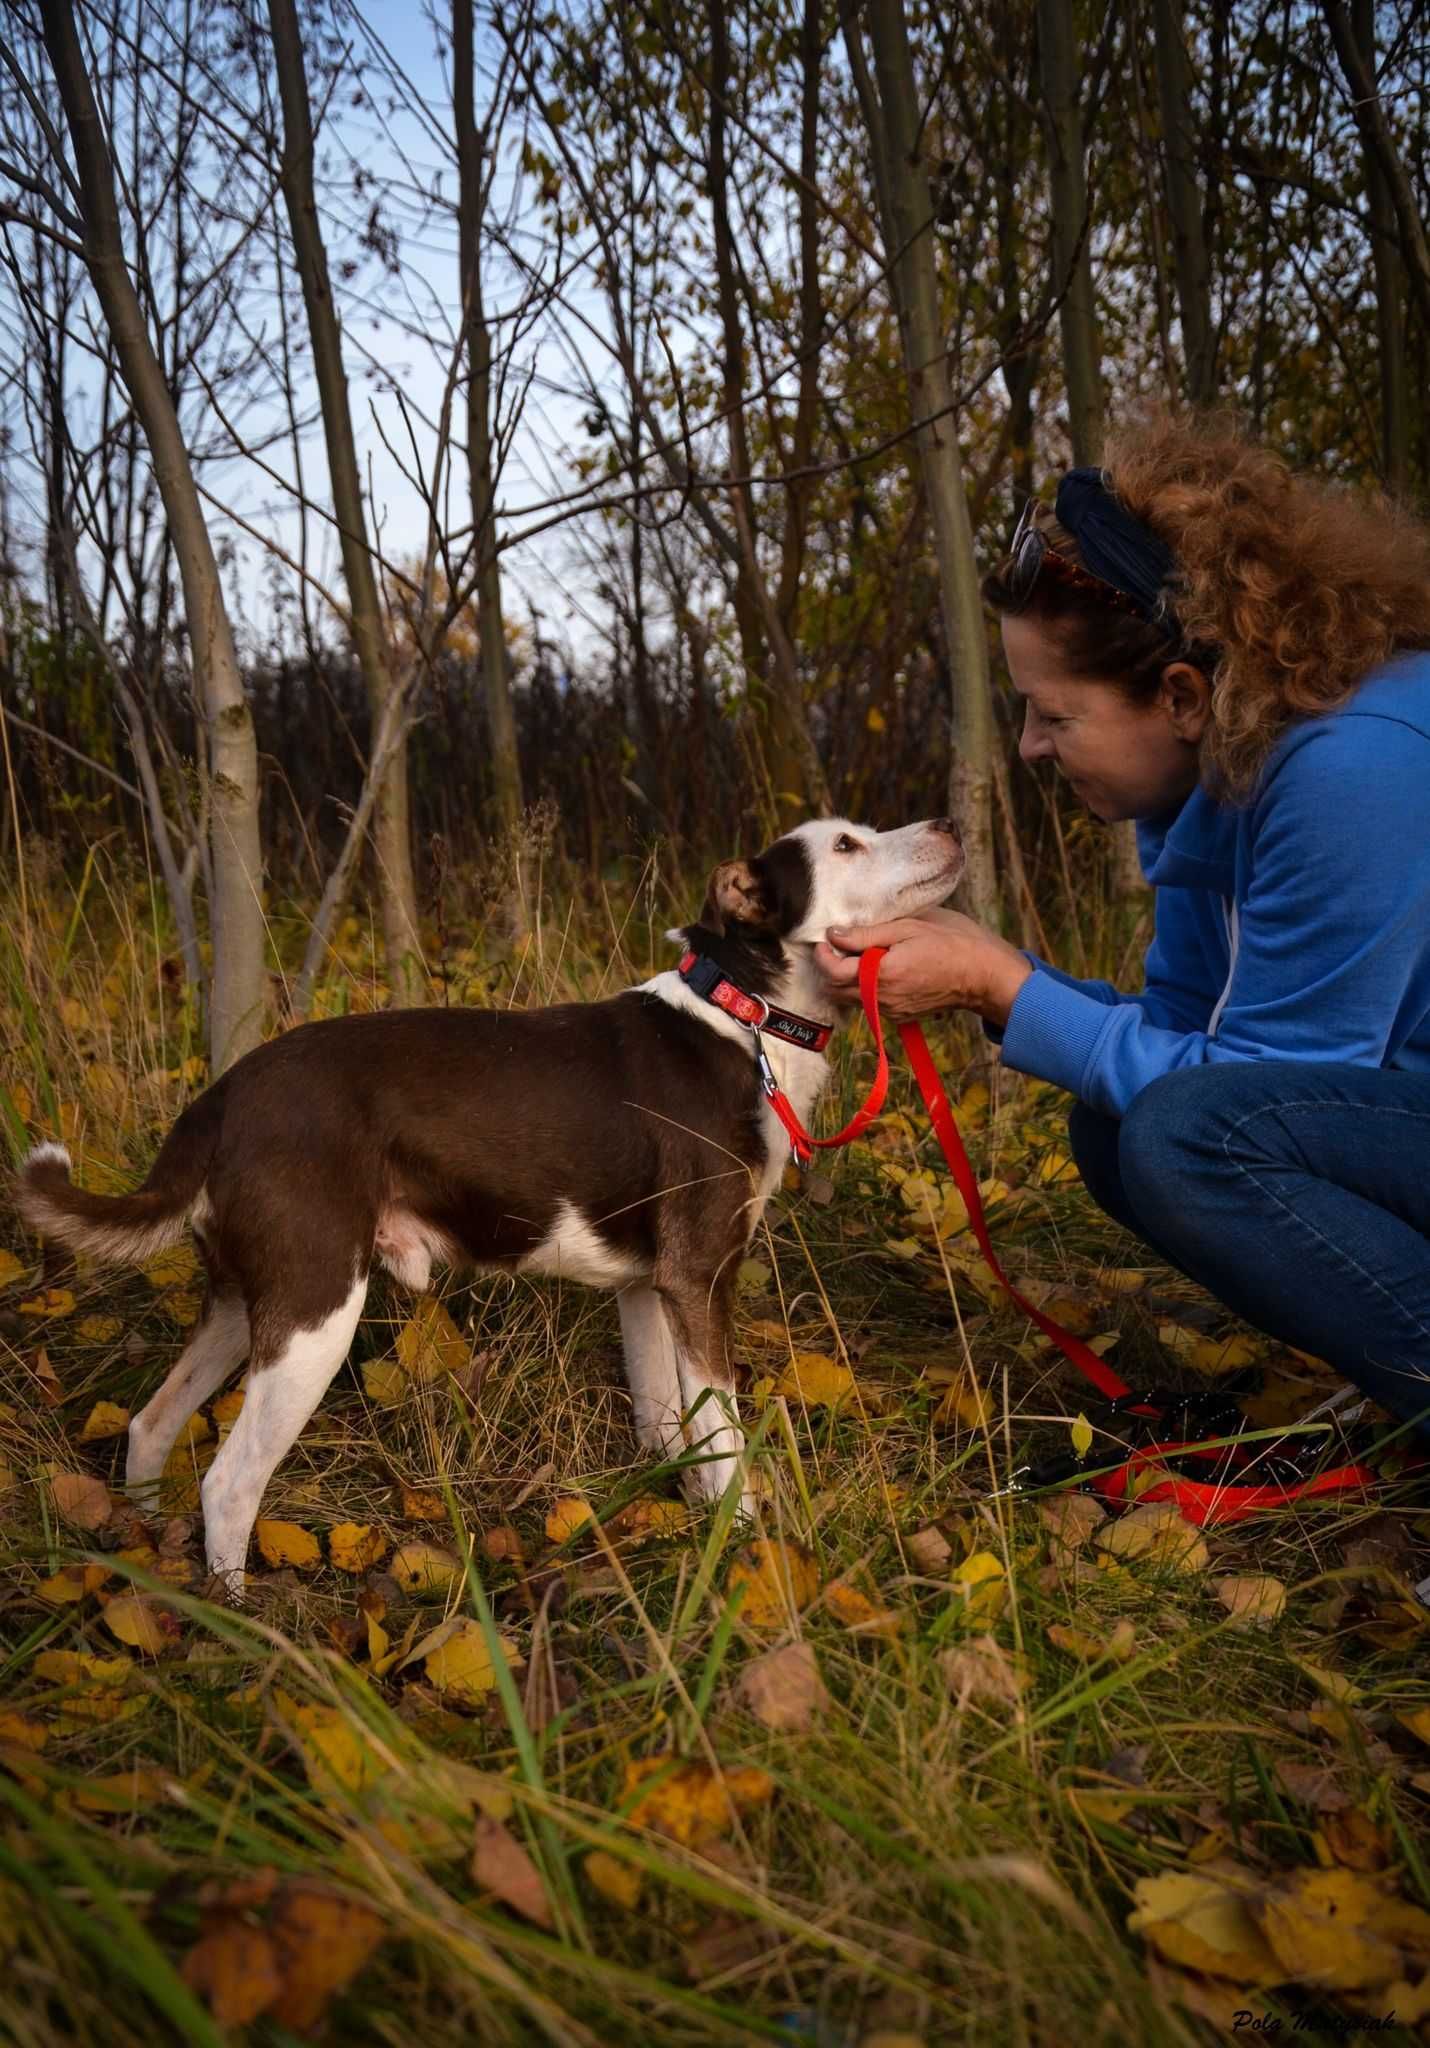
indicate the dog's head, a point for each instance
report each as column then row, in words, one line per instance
column 827, row 873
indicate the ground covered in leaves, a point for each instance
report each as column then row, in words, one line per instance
column 509, row 1745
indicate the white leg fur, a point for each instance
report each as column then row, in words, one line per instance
column 218, row 1345
column 281, row 1396
column 713, row 1427
column 652, row 1370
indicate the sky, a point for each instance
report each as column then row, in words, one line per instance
column 388, row 359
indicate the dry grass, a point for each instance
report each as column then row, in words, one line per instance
column 929, row 1863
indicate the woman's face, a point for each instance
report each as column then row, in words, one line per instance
column 1124, row 759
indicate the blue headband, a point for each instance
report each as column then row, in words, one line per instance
column 1116, row 547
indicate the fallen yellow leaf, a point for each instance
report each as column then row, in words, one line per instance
column 566, row 1518
column 356, row 1547
column 430, row 1344
column 1118, row 1645
column 618, row 1883
column 78, row 1667
column 337, row 1757
column 1191, row 1917
column 64, row 1588
column 55, row 1301
column 859, row 1613
column 100, row 1330
column 384, row 1382
column 105, row 1419
column 690, row 1802
column 420, row 1504
column 458, row 1661
column 1338, row 1930
column 136, row 1622
column 980, row 1584
column 284, row 1543
column 778, row 1579
column 16, row 1732
column 815, row 1380
column 130, row 1791
column 424, row 1568
column 11, row 1269
column 226, row 1411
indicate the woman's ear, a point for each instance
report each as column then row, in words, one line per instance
column 1185, row 694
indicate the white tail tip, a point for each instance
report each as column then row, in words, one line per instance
column 48, row 1155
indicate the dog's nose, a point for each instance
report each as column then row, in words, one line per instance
column 946, row 825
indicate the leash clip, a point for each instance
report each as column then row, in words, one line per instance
column 766, row 1072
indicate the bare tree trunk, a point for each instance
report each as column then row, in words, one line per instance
column 391, row 831
column 1389, row 282
column 1184, row 206
column 1077, row 311
column 1071, row 230
column 472, row 188
column 1375, row 131
column 237, row 1001
column 794, row 766
column 1021, row 353
column 891, row 115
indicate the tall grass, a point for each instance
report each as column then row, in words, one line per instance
column 932, row 1862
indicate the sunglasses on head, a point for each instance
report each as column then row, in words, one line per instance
column 1031, row 553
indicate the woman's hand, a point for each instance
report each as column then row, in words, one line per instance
column 940, row 960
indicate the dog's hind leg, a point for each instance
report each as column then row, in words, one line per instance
column 653, row 1370
column 218, row 1345
column 288, row 1377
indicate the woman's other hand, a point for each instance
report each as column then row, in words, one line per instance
column 940, row 960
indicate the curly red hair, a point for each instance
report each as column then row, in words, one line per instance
column 1289, row 589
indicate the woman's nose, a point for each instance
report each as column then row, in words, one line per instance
column 1033, row 743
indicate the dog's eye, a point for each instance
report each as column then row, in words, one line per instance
column 844, row 844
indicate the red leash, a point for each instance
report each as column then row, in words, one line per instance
column 1199, row 1501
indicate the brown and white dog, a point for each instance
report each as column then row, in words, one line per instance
column 625, row 1144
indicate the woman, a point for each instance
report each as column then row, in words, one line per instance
column 1235, row 657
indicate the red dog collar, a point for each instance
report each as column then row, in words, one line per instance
column 710, row 981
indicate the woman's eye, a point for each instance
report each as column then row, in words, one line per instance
column 844, row 844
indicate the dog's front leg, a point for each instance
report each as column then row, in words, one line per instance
column 699, row 1319
column 286, row 1381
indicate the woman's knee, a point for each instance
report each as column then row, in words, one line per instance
column 1092, row 1140
column 1176, row 1131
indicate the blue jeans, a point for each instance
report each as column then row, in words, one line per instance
column 1299, row 1195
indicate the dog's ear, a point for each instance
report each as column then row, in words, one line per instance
column 738, row 895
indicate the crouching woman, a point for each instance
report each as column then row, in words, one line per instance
column 1234, row 656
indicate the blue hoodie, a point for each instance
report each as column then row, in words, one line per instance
column 1296, row 927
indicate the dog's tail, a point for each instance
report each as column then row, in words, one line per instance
column 122, row 1229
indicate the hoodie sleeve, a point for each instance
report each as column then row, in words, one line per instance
column 1331, row 953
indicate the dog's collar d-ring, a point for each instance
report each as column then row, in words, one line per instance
column 710, row 980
